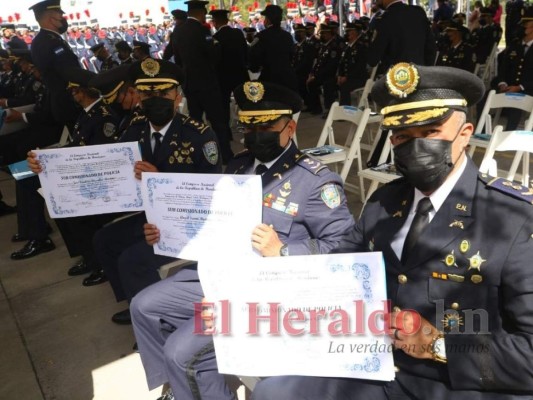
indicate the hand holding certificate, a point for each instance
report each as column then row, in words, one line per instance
column 90, row 180
column 316, row 315
column 199, row 213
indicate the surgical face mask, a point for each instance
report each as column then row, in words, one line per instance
column 158, row 110
column 425, row 163
column 264, row 145
column 63, row 25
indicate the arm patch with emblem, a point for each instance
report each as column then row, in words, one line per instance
column 210, row 150
column 330, row 195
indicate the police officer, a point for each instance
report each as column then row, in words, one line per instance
column 51, row 54
column 460, row 53
column 232, row 57
column 515, row 67
column 305, row 202
column 102, row 54
column 352, row 73
column 186, row 146
column 27, row 88
column 403, row 34
column 194, row 50
column 454, row 242
column 124, row 52
column 323, row 73
column 302, row 61
column 486, row 36
column 272, row 49
column 180, row 17
column 141, row 50
column 96, row 124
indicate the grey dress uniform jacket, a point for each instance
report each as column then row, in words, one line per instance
column 474, row 258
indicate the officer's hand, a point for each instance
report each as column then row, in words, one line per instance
column 143, row 166
column 151, row 234
column 412, row 334
column 13, row 115
column 502, row 88
column 514, row 89
column 33, row 163
column 341, row 80
column 265, row 240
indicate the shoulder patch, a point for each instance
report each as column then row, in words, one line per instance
column 109, row 129
column 509, row 188
column 59, row 51
column 330, row 195
column 310, row 164
column 210, row 150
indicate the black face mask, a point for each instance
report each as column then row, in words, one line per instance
column 482, row 21
column 425, row 163
column 64, row 26
column 264, row 145
column 158, row 110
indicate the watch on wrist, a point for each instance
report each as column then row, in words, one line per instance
column 284, row 251
column 438, row 349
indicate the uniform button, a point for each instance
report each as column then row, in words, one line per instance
column 455, row 306
column 396, row 309
column 402, row 279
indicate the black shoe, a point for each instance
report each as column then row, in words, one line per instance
column 122, row 317
column 95, row 278
column 79, row 269
column 17, row 237
column 32, row 248
column 5, row 209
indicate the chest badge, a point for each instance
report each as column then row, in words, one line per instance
column 464, row 246
column 475, row 262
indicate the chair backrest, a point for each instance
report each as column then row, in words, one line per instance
column 351, row 114
column 503, row 100
column 363, row 100
column 295, row 118
column 520, row 142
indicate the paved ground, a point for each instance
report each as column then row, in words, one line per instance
column 57, row 340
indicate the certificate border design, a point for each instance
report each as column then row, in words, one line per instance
column 43, row 160
column 58, row 210
column 151, row 185
column 371, row 364
column 361, row 272
column 129, row 152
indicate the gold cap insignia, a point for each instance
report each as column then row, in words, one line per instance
column 150, row 67
column 402, row 79
column 254, row 91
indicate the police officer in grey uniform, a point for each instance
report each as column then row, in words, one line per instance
column 304, row 212
column 457, row 250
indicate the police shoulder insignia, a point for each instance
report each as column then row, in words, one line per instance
column 402, row 79
column 254, row 91
column 330, row 195
column 199, row 126
column 36, row 86
column 109, row 129
column 211, row 152
column 512, row 189
column 310, row 164
column 150, row 67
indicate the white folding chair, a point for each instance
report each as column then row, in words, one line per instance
column 351, row 149
column 63, row 140
column 520, row 142
column 382, row 173
column 496, row 102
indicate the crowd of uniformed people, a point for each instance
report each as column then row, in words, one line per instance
column 134, row 93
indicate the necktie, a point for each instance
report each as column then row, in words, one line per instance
column 157, row 136
column 420, row 221
column 260, row 169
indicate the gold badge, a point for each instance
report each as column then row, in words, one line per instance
column 476, row 278
column 397, row 214
column 404, row 202
column 456, row 278
column 475, row 262
column 254, row 91
column 150, row 67
column 402, row 79
column 287, row 185
column 449, row 261
column 278, row 175
column 452, row 321
column 460, row 207
column 185, row 144
column 457, row 224
column 464, row 246
column 171, row 160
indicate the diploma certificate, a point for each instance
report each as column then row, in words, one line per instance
column 302, row 315
column 88, row 180
column 200, row 213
